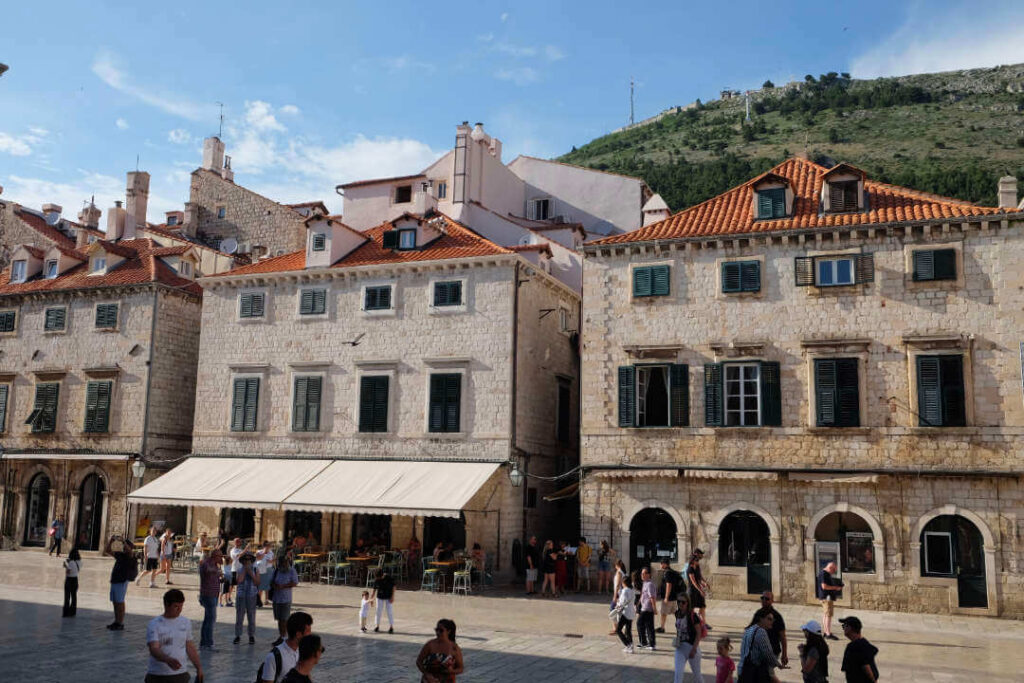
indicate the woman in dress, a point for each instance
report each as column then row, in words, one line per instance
column 440, row 660
column 561, row 567
column 548, row 562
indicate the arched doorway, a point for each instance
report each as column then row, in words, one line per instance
column 845, row 538
column 37, row 513
column 238, row 522
column 745, row 541
column 652, row 536
column 953, row 547
column 90, row 513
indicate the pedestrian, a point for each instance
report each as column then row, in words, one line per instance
column 859, row 657
column 583, row 553
column 122, row 573
column 440, row 658
column 236, row 566
column 698, row 587
column 365, row 605
column 167, row 555
column 626, row 610
column 548, row 561
column 724, row 666
column 199, row 551
column 777, row 633
column 813, row 654
column 56, row 533
column 829, row 589
column 225, row 574
column 245, row 597
column 604, row 566
column 210, row 578
column 384, row 595
column 561, row 566
column 151, row 550
column 283, row 580
column 757, row 661
column 310, row 650
column 169, row 637
column 617, row 583
column 668, row 592
column 72, row 566
column 415, row 551
column 532, row 565
column 689, row 632
column 283, row 657
column 264, row 568
column 648, row 604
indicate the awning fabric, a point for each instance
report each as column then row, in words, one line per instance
column 731, row 474
column 570, row 491
column 628, row 473
column 826, row 478
column 393, row 487
column 66, row 456
column 230, row 482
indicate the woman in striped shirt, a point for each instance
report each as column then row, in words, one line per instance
column 757, row 661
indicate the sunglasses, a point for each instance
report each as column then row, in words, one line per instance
column 765, row 599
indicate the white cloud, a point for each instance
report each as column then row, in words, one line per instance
column 260, row 116
column 21, row 145
column 290, row 110
column 121, row 124
column 522, row 75
column 179, row 136
column 485, row 38
column 403, row 62
column 504, row 17
column 549, row 52
column 930, row 42
column 553, row 53
column 106, row 68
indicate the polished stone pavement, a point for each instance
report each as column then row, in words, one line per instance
column 505, row 637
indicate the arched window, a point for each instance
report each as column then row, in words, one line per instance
column 652, row 536
column 743, row 540
column 38, row 511
column 952, row 546
column 849, row 535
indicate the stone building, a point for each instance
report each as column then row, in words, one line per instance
column 45, row 228
column 813, row 366
column 98, row 349
column 381, row 384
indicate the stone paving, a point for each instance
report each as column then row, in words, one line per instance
column 504, row 636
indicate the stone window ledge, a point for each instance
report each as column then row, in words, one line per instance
column 446, row 436
column 840, row 431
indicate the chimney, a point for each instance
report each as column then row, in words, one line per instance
column 496, row 148
column 189, row 222
column 1008, row 192
column 213, row 154
column 137, row 195
column 479, row 135
column 90, row 215
column 226, row 172
column 51, row 212
column 116, row 222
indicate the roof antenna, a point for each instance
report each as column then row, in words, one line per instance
column 220, row 131
column 631, row 83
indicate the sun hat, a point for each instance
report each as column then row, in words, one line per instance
column 812, row 626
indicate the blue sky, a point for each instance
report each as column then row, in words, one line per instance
column 317, row 94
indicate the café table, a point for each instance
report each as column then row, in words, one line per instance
column 446, row 567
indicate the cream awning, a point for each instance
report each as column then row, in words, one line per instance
column 631, row 473
column 393, row 487
column 66, row 456
column 230, row 482
column 826, row 478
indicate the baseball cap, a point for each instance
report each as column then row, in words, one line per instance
column 852, row 622
column 812, row 626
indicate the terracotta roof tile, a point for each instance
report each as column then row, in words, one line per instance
column 377, row 181
column 39, row 224
column 732, row 212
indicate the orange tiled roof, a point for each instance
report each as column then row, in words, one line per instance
column 542, row 248
column 142, row 265
column 732, row 213
column 457, row 242
column 39, row 224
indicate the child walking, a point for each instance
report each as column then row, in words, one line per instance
column 364, row 610
column 724, row 666
column 72, row 565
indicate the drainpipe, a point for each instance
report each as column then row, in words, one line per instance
column 515, row 396
column 145, row 410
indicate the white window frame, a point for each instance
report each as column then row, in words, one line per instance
column 238, row 305
column 172, row 221
column 294, row 375
column 641, row 400
column 381, row 311
column 98, row 265
column 564, row 318
column 312, row 241
column 832, row 261
column 46, row 268
column 949, row 542
column 185, row 268
column 402, row 233
column 447, row 310
column 19, row 270
column 531, row 208
column 312, row 316
column 742, row 395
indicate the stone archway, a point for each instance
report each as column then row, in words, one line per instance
column 682, row 536
column 774, row 543
column 878, row 540
column 989, row 550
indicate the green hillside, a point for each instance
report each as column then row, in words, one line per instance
column 951, row 133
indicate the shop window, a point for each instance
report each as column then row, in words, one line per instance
column 743, row 539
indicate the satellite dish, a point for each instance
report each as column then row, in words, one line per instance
column 525, row 240
column 52, row 218
column 229, row 245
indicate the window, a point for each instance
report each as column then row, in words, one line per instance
column 741, row 276
column 18, row 270
column 222, row 212
column 4, row 393
column 319, row 241
column 938, row 553
column 743, row 540
column 97, row 407
column 563, row 415
column 7, row 321
column 313, row 302
column 934, row 264
column 389, row 239
column 250, row 305
column 837, row 392
column 654, row 396
column 106, row 316
column 563, row 320
column 99, row 264
column 54, row 319
column 940, row 391
column 771, row 203
column 539, row 209
column 406, row 239
column 373, row 404
column 842, row 197
column 43, row 417
column 834, row 271
column 377, row 298
column 651, row 281
column 244, row 401
column 172, row 220
column 445, row 402
column 448, row 293
column 185, row 268
column 742, row 394
column 403, row 194
column 306, row 404
column 50, row 270
column 442, row 190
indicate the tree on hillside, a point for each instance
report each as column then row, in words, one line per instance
column 768, row 84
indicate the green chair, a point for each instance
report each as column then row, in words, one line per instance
column 432, row 581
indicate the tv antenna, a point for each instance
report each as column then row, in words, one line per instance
column 631, row 88
column 136, row 162
column 220, row 131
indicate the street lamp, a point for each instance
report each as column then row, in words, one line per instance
column 138, row 468
column 514, row 475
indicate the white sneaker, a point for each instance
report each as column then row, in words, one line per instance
column 628, row 649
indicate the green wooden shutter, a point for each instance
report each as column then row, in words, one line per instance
column 864, row 268
column 46, row 404
column 245, row 306
column 373, row 404
column 258, row 305
column 847, row 393
column 627, row 396
column 299, row 404
column 320, row 301
column 929, row 394
column 7, row 321
column 660, row 280
column 771, row 394
column 732, row 280
column 54, row 319
column 679, row 391
column 453, row 401
column 713, row 404
column 106, row 316
column 390, row 239
column 945, row 264
column 90, row 407
column 835, row 197
column 951, row 371
column 238, row 406
column 750, row 276
column 445, row 401
column 436, row 410
column 97, row 407
column 764, row 204
column 825, row 392
column 314, row 391
column 642, row 281
column 306, row 302
column 252, row 393
column 380, row 403
column 924, row 265
column 3, row 407
column 803, row 266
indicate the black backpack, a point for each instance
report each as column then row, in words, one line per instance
column 277, row 667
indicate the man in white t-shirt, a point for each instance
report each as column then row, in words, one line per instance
column 169, row 638
column 236, row 566
column 265, row 569
column 152, row 552
column 299, row 624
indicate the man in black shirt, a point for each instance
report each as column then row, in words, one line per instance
column 671, row 584
column 777, row 633
column 310, row 650
column 859, row 657
column 384, row 590
column 532, row 564
column 123, row 572
column 829, row 589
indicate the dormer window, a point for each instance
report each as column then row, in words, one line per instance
column 406, row 239
column 319, row 241
column 18, row 270
column 99, row 264
column 771, row 203
column 539, row 209
column 50, row 271
column 403, row 194
column 185, row 268
column 172, row 220
column 842, row 196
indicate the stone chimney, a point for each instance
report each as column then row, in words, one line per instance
column 190, row 221
column 213, row 154
column 51, row 212
column 226, row 173
column 90, row 215
column 137, row 195
column 1008, row 192
column 116, row 219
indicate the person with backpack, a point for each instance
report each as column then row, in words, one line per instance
column 284, row 656
column 310, row 651
column 124, row 571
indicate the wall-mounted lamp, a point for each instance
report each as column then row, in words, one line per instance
column 514, row 475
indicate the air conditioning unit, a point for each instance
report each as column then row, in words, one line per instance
column 245, row 247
